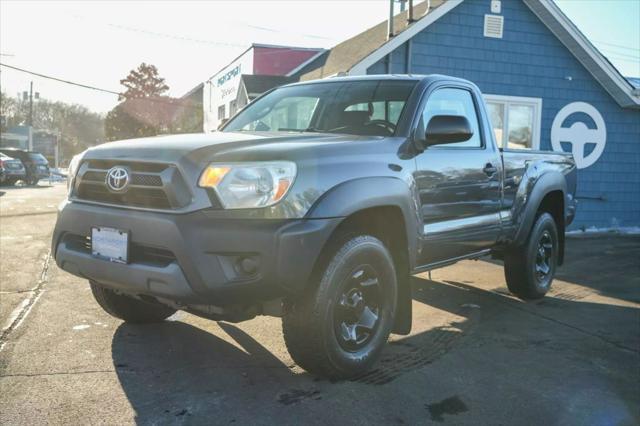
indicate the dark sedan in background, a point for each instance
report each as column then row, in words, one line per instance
column 11, row 170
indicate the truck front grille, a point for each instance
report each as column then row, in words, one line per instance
column 146, row 186
column 135, row 197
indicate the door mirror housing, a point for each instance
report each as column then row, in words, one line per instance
column 445, row 129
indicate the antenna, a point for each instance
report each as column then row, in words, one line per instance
column 390, row 30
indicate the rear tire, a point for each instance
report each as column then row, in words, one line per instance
column 338, row 328
column 129, row 309
column 530, row 269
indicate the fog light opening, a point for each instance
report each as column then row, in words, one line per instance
column 247, row 265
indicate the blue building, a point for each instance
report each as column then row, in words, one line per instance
column 547, row 87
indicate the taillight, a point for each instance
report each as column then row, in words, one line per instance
column 1, row 163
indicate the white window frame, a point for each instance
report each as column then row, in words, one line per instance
column 506, row 101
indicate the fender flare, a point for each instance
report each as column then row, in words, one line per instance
column 536, row 183
column 360, row 194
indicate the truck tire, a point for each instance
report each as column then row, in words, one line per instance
column 530, row 269
column 129, row 309
column 338, row 327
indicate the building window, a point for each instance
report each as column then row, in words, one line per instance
column 221, row 112
column 233, row 108
column 515, row 121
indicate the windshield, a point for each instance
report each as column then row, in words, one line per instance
column 37, row 158
column 371, row 108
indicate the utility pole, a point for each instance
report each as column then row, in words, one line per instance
column 30, row 120
column 31, row 104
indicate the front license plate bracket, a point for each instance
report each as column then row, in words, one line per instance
column 110, row 244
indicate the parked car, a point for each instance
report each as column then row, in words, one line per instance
column 36, row 166
column 11, row 170
column 315, row 203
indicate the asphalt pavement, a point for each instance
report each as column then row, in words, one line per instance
column 476, row 354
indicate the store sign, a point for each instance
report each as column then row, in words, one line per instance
column 223, row 89
column 579, row 135
column 234, row 72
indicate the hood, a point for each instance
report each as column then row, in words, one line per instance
column 206, row 146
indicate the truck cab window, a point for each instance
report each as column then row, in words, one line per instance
column 292, row 113
column 454, row 102
column 388, row 111
column 366, row 108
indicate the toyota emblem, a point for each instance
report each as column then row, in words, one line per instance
column 117, row 178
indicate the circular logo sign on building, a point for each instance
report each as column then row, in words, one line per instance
column 578, row 134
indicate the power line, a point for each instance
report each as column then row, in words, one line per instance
column 631, row 61
column 203, row 41
column 86, row 86
column 617, row 45
column 171, row 36
column 624, row 55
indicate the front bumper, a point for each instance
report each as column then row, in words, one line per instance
column 207, row 254
column 10, row 173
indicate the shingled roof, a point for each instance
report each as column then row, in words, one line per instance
column 342, row 57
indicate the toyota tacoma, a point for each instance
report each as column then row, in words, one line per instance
column 315, row 203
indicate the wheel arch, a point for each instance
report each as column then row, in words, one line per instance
column 553, row 203
column 358, row 195
column 380, row 207
column 543, row 192
column 536, row 183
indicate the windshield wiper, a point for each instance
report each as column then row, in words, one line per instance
column 308, row 129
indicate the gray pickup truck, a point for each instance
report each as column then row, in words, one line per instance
column 315, row 203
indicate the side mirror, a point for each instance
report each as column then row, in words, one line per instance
column 444, row 129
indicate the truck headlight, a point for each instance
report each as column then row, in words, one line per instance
column 73, row 169
column 249, row 185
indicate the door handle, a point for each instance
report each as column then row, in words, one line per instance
column 490, row 169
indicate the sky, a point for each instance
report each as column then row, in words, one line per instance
column 98, row 43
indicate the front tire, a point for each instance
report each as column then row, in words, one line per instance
column 338, row 328
column 129, row 309
column 530, row 269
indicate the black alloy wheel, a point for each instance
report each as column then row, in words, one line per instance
column 357, row 311
column 530, row 267
column 544, row 255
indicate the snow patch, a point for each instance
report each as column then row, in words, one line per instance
column 471, row 305
column 81, row 327
column 618, row 230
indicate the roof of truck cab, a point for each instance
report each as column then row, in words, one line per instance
column 378, row 77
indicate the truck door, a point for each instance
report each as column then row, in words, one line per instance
column 459, row 183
